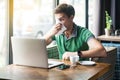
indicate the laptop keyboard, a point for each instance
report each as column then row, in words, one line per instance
column 50, row 64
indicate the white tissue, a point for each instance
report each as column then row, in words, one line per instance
column 62, row 29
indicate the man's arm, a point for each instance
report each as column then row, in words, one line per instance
column 95, row 49
column 55, row 29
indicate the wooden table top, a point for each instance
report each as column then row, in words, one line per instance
column 109, row 38
column 80, row 72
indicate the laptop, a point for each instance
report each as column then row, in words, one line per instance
column 31, row 52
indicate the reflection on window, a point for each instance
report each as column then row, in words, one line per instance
column 32, row 16
column 79, row 6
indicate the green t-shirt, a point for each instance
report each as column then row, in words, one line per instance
column 76, row 42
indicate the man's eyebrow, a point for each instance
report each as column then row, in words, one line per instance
column 61, row 17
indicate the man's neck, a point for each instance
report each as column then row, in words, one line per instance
column 69, row 31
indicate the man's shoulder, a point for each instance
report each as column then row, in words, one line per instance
column 82, row 29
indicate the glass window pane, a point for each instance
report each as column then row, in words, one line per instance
column 32, row 16
column 79, row 6
column 91, row 11
column 93, row 17
column 4, row 49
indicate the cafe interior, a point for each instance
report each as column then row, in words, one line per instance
column 34, row 18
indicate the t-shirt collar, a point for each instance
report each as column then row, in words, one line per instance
column 74, row 33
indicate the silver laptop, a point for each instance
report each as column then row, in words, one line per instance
column 31, row 52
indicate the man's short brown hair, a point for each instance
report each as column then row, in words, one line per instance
column 65, row 8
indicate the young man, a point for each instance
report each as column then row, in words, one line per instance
column 75, row 40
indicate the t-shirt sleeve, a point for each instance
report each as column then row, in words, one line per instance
column 53, row 38
column 86, row 34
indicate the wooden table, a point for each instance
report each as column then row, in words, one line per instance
column 109, row 38
column 80, row 72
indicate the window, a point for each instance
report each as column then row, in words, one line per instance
column 3, row 33
column 32, row 17
column 93, row 16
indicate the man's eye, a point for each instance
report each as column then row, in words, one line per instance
column 62, row 19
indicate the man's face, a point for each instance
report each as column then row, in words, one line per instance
column 64, row 19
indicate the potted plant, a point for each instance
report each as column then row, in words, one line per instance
column 108, row 24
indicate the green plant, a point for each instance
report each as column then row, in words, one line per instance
column 108, row 20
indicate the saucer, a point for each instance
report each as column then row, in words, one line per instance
column 87, row 62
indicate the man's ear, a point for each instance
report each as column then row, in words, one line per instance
column 71, row 17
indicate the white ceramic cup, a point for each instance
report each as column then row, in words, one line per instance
column 74, row 60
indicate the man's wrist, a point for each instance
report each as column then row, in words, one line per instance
column 79, row 53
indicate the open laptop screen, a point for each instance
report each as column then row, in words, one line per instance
column 30, row 52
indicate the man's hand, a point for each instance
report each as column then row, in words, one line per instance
column 55, row 29
column 66, row 55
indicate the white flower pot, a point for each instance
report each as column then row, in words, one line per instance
column 107, row 32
